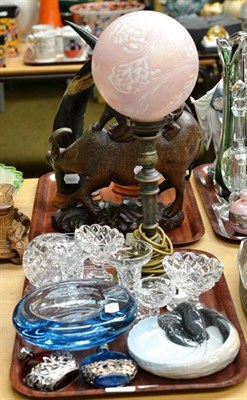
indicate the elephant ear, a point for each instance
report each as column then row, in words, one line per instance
column 71, row 110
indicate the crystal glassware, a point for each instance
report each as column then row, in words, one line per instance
column 98, row 242
column 129, row 261
column 232, row 55
column 152, row 293
column 74, row 315
column 193, row 273
column 53, row 257
column 234, row 159
column 233, row 162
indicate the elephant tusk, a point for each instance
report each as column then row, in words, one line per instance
column 89, row 38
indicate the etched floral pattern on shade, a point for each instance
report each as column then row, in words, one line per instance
column 145, row 65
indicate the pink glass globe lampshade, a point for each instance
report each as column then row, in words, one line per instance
column 145, row 65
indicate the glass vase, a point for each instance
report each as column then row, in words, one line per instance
column 232, row 55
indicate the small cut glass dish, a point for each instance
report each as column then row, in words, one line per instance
column 153, row 293
column 74, row 315
column 193, row 273
column 129, row 261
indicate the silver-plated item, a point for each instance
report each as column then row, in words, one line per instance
column 53, row 373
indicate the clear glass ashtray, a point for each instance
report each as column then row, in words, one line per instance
column 10, row 175
column 74, row 315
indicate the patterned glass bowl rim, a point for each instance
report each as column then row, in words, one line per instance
column 9, row 174
column 74, row 315
column 212, row 262
column 106, row 8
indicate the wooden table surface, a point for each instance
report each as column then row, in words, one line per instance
column 11, row 285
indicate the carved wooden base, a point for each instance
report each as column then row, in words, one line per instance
column 126, row 217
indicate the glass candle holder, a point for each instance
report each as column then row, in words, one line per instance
column 129, row 261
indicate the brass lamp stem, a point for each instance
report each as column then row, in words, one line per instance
column 147, row 133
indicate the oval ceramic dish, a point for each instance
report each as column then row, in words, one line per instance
column 154, row 352
column 74, row 315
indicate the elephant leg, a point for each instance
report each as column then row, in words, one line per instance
column 176, row 206
column 83, row 195
column 179, row 183
column 165, row 185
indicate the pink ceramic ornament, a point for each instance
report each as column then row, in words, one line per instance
column 238, row 213
column 145, row 65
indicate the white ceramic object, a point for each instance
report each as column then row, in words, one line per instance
column 43, row 46
column 155, row 353
column 28, row 15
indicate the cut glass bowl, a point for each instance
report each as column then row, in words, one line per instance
column 99, row 241
column 74, row 315
column 193, row 273
column 51, row 258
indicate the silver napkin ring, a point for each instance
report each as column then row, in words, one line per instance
column 54, row 371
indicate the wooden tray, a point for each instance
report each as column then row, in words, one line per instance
column 191, row 229
column 209, row 198
column 218, row 298
column 30, row 60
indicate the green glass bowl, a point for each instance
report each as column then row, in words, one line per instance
column 9, row 174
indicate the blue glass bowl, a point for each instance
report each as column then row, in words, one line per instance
column 74, row 315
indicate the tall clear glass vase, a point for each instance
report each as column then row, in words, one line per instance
column 233, row 163
column 232, row 53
